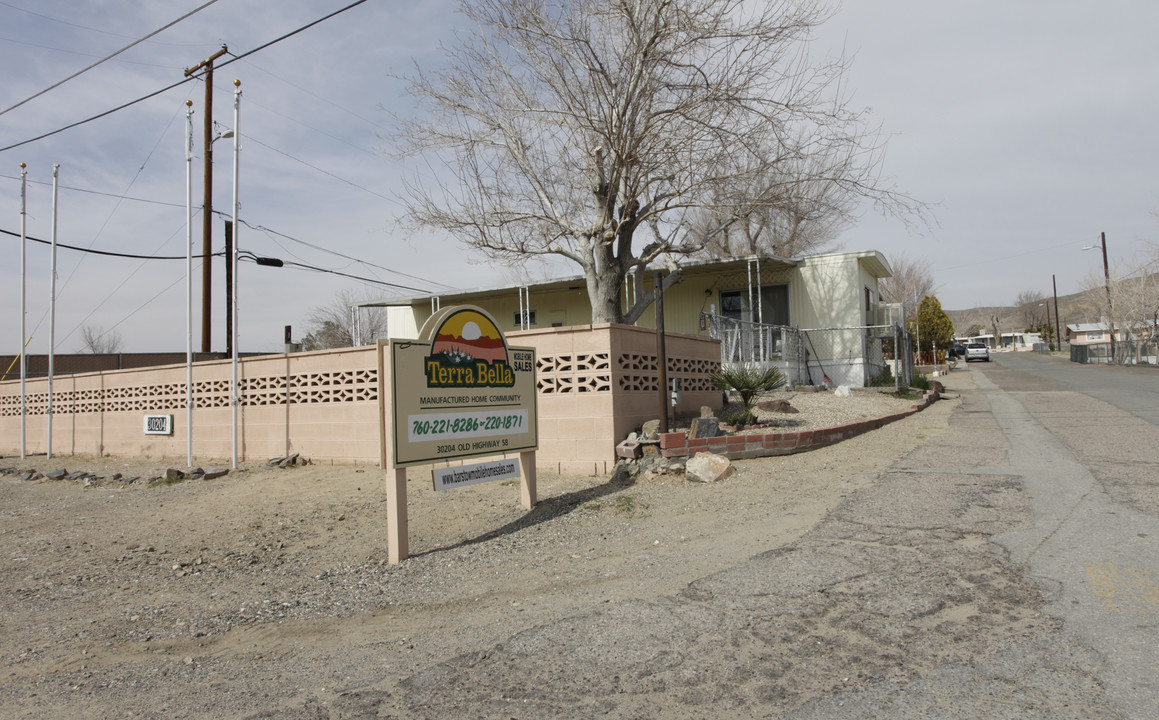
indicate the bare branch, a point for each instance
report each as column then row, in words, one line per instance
column 563, row 128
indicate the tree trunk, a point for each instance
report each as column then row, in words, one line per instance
column 604, row 294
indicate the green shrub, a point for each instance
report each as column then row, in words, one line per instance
column 884, row 378
column 920, row 382
column 739, row 418
column 748, row 380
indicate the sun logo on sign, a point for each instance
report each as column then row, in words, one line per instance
column 468, row 351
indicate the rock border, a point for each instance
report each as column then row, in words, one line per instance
column 754, row 445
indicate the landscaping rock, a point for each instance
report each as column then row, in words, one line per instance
column 57, row 474
column 213, row 473
column 650, row 430
column 777, row 406
column 173, row 474
column 704, row 427
column 843, row 391
column 708, row 467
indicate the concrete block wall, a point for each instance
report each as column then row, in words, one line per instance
column 596, row 383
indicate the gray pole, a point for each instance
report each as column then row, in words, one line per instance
column 1107, row 285
column 661, row 355
column 236, row 399
column 23, row 302
column 1057, row 326
column 52, row 308
column 189, row 282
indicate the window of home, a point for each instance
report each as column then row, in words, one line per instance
column 530, row 318
column 1094, row 335
column 774, row 308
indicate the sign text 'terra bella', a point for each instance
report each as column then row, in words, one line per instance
column 441, row 371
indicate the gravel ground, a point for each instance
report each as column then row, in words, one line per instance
column 132, row 599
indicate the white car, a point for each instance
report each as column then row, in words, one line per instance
column 977, row 351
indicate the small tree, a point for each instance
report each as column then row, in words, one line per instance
column 329, row 326
column 748, row 380
column 1030, row 306
column 99, row 341
column 911, row 281
column 936, row 327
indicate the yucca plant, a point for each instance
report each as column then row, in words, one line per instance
column 748, row 380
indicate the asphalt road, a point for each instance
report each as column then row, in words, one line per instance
column 1085, row 441
column 1007, row 568
column 1133, row 389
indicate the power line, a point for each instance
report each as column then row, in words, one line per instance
column 98, row 192
column 86, row 27
column 220, row 253
column 319, row 248
column 313, row 94
column 107, row 252
column 109, row 57
column 355, row 277
column 180, row 82
column 81, row 54
column 315, row 167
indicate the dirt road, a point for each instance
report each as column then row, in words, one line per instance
column 266, row 593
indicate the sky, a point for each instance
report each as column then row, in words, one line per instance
column 1027, row 127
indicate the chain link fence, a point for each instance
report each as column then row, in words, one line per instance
column 1126, row 352
column 855, row 356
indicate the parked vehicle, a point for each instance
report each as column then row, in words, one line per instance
column 959, row 349
column 977, row 351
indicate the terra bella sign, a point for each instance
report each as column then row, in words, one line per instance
column 459, row 391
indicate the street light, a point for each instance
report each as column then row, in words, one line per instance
column 1107, row 285
column 189, row 282
column 235, row 399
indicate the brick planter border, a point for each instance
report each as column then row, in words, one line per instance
column 738, row 447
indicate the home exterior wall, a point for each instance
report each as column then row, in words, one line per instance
column 824, row 291
column 833, row 291
column 1081, row 336
column 830, row 292
column 596, row 383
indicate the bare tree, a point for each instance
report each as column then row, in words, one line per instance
column 616, row 133
column 1032, row 308
column 99, row 341
column 807, row 217
column 1136, row 298
column 912, row 280
column 331, row 326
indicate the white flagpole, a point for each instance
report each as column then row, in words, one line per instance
column 52, row 307
column 236, row 234
column 189, row 282
column 23, row 302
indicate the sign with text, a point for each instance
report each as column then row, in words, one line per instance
column 454, row 477
column 459, row 391
column 158, row 424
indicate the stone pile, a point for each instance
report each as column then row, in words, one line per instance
column 171, row 475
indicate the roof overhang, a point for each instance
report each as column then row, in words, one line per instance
column 577, row 282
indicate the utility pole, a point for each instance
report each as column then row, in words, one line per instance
column 1057, row 326
column 207, row 202
column 1107, row 285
